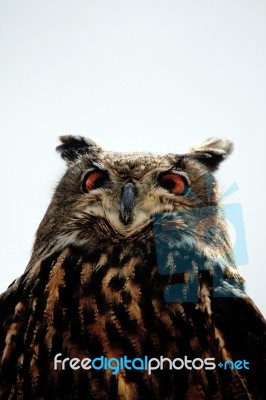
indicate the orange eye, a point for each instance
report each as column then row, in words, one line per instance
column 174, row 183
column 93, row 180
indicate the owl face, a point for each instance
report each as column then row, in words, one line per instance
column 117, row 194
column 126, row 190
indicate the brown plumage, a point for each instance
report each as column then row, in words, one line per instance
column 101, row 282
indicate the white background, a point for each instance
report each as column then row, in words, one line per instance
column 135, row 75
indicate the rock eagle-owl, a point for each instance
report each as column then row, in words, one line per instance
column 132, row 259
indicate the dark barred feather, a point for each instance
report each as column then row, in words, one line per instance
column 111, row 304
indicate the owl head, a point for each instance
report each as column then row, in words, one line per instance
column 109, row 195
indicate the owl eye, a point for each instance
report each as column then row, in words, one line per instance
column 174, row 183
column 93, row 180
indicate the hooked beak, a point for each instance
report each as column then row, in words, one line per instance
column 127, row 203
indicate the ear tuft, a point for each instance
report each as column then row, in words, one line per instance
column 212, row 152
column 73, row 147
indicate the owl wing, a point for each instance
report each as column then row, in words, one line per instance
column 240, row 330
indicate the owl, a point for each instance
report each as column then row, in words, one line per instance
column 132, row 291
